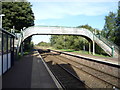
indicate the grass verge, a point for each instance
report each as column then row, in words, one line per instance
column 79, row 52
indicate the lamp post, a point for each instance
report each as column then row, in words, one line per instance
column 1, row 15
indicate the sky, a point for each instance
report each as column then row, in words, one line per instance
column 71, row 13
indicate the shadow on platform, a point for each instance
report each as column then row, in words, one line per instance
column 19, row 76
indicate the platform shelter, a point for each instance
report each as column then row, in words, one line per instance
column 6, row 50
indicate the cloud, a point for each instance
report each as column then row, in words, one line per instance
column 53, row 10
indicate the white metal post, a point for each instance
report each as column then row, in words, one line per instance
column 22, row 43
column 93, row 48
column 93, row 43
column 1, row 20
column 89, row 47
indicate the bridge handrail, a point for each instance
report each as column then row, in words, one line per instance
column 53, row 26
column 107, row 42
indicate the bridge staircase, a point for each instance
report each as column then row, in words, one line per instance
column 109, row 47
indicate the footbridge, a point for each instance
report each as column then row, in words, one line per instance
column 106, row 45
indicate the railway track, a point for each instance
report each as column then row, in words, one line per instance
column 109, row 80
column 95, row 78
column 66, row 78
column 90, row 67
column 105, row 77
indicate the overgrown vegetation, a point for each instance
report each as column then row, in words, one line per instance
column 112, row 26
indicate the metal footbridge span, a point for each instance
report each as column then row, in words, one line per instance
column 107, row 46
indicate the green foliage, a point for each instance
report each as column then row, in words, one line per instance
column 87, row 27
column 110, row 27
column 68, row 42
column 43, row 44
column 117, row 34
column 18, row 14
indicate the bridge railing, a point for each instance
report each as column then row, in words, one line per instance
column 107, row 42
column 55, row 26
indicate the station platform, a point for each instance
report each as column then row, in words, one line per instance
column 29, row 72
column 110, row 60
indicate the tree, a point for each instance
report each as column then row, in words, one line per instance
column 43, row 44
column 110, row 27
column 86, row 26
column 117, row 34
column 19, row 15
column 68, row 42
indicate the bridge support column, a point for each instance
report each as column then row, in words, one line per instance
column 112, row 51
column 93, row 48
column 89, row 47
column 22, row 49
